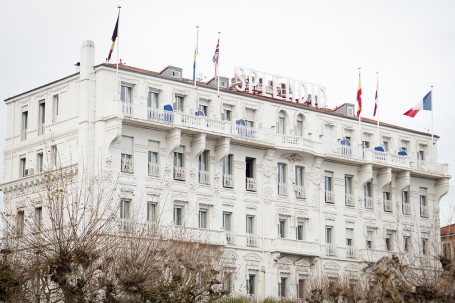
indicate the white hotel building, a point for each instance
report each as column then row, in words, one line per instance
column 292, row 190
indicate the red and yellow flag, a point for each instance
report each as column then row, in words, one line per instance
column 359, row 98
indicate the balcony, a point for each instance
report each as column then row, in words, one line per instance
column 388, row 205
column 250, row 184
column 295, row 246
column 204, row 177
column 368, row 202
column 349, row 200
column 246, row 131
column 300, row 192
column 228, row 181
column 330, row 249
column 406, row 208
column 424, row 211
column 179, row 173
column 282, row 189
column 230, row 237
column 127, row 109
column 154, row 169
column 251, row 240
column 329, row 196
column 265, row 136
column 127, row 166
column 350, row 252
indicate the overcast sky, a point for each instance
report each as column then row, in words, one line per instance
column 410, row 43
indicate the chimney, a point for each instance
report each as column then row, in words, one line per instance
column 87, row 59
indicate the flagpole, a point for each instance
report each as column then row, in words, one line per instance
column 218, row 69
column 359, row 106
column 118, row 47
column 195, row 56
column 377, row 105
column 432, row 127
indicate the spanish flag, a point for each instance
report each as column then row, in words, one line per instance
column 114, row 37
column 359, row 98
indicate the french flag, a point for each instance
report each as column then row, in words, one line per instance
column 424, row 104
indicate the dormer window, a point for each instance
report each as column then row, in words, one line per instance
column 175, row 74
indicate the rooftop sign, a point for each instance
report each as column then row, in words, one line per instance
column 278, row 87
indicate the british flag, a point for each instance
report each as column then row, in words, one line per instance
column 216, row 56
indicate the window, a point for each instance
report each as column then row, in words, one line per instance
column 282, row 170
column 126, row 157
column 125, row 209
column 126, row 97
column 406, row 206
column 299, row 230
column 388, row 241
column 152, row 106
column 179, row 164
column 204, row 176
column 386, row 201
column 227, row 226
column 38, row 218
column 178, row 214
column 227, row 220
column 22, row 166
column 298, row 131
column 367, row 195
column 250, row 174
column 282, row 228
column 153, row 159
column 299, row 182
column 24, row 123
column 421, row 152
column 202, row 220
column 349, row 235
column 251, row 285
column 369, row 239
column 179, row 103
column 365, row 144
column 250, row 224
column 227, row 283
column 282, row 287
column 227, row 171
column 249, row 117
column 39, row 162
column 328, row 234
column 280, row 128
column 385, row 143
column 424, row 245
column 152, row 100
column 203, row 107
column 423, row 202
column 151, row 212
column 348, row 194
column 20, row 222
column 301, row 289
column 41, row 116
column 54, row 155
column 328, row 187
column 406, row 244
column 227, row 112
column 447, row 250
column 404, row 145
column 55, row 108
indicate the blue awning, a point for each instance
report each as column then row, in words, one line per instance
column 379, row 148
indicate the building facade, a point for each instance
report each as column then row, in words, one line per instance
column 448, row 241
column 292, row 189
